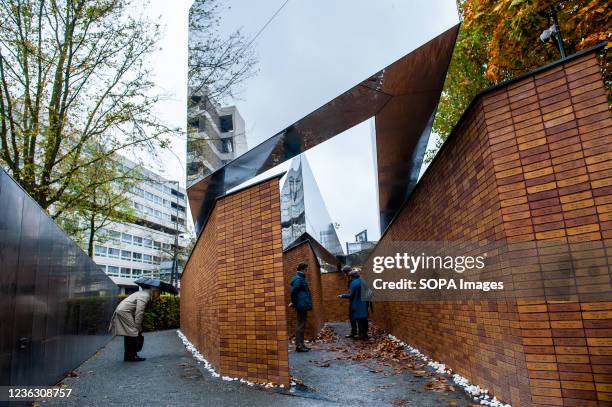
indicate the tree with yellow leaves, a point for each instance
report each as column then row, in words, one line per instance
column 500, row 39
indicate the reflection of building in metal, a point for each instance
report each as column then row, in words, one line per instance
column 215, row 136
column 303, row 209
column 361, row 243
column 56, row 303
column 402, row 98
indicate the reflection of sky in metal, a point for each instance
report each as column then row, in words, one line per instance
column 303, row 209
column 401, row 97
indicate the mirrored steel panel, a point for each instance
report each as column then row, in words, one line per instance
column 303, row 209
column 402, row 97
column 56, row 302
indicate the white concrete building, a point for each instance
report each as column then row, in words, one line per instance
column 127, row 251
column 215, row 136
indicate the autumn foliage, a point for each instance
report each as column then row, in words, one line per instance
column 500, row 39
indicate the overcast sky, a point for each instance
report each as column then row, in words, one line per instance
column 310, row 53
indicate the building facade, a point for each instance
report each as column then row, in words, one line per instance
column 127, row 251
column 215, row 135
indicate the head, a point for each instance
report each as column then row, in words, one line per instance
column 302, row 267
column 354, row 274
column 155, row 292
column 347, row 269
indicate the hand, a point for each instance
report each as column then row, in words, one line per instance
column 340, row 296
column 291, row 304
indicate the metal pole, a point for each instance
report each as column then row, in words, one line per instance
column 560, row 43
column 176, row 235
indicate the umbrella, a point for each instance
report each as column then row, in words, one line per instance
column 145, row 282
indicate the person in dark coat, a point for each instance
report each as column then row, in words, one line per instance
column 353, row 335
column 302, row 302
column 359, row 308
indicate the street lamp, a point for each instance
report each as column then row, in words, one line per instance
column 554, row 31
column 176, row 232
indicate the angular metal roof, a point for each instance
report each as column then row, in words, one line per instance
column 401, row 97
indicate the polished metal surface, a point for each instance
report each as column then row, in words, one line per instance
column 303, row 209
column 401, row 97
column 56, row 303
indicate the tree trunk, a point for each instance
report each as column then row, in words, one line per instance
column 92, row 233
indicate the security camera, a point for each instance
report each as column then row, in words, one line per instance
column 547, row 34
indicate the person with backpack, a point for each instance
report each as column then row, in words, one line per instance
column 353, row 335
column 358, row 304
column 302, row 302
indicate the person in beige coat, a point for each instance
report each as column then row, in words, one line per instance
column 127, row 321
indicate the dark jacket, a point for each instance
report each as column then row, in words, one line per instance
column 359, row 309
column 300, row 293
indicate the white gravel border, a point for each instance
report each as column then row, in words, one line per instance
column 479, row 394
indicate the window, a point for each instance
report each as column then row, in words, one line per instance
column 113, row 253
column 138, row 241
column 147, row 242
column 180, row 207
column 126, row 255
column 113, row 270
column 181, row 221
column 137, row 257
column 136, row 272
column 177, row 193
column 125, row 272
column 100, row 250
column 114, row 236
column 126, row 238
column 227, row 145
column 147, row 258
column 156, row 260
column 102, row 267
column 167, row 246
column 226, row 123
column 157, row 245
column 193, row 122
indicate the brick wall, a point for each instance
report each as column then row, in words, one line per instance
column 199, row 295
column 303, row 253
column 336, row 309
column 530, row 162
column 237, row 264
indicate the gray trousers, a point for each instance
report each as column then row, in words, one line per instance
column 300, row 326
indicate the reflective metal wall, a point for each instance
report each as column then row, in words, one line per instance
column 401, row 97
column 303, row 209
column 55, row 304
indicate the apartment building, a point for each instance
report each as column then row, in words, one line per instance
column 127, row 251
column 215, row 136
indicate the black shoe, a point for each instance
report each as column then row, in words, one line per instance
column 352, row 336
column 302, row 349
column 135, row 359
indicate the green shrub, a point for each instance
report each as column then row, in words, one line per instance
column 161, row 313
